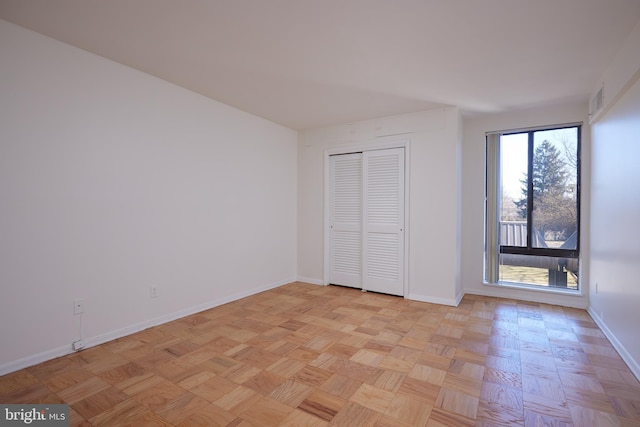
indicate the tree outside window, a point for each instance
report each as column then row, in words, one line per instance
column 537, row 209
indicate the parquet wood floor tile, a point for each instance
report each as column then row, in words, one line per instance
column 306, row 355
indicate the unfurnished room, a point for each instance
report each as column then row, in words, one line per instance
column 319, row 213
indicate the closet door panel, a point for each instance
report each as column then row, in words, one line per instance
column 346, row 220
column 383, row 221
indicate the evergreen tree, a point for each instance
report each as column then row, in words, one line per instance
column 553, row 199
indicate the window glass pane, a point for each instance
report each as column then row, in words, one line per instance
column 539, row 270
column 533, row 208
column 555, row 175
column 513, row 193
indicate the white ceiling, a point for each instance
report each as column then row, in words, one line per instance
column 310, row 63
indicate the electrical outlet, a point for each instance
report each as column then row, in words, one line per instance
column 153, row 292
column 78, row 306
column 78, row 345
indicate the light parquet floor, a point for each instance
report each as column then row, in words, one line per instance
column 306, row 355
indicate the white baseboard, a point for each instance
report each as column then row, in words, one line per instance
column 539, row 297
column 25, row 362
column 436, row 300
column 44, row 356
column 311, row 280
column 633, row 364
column 459, row 298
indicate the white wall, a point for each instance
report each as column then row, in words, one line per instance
column 615, row 228
column 473, row 182
column 621, row 72
column 112, row 181
column 433, row 227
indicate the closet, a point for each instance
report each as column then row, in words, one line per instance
column 366, row 235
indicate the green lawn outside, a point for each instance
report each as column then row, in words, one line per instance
column 531, row 276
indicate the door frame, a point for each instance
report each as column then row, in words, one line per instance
column 356, row 148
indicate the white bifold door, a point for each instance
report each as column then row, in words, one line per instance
column 366, row 197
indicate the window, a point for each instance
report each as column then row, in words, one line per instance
column 533, row 207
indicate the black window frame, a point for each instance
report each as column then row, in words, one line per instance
column 529, row 249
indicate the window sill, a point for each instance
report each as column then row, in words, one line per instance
column 535, row 288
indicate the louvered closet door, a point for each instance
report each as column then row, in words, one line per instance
column 383, row 221
column 346, row 220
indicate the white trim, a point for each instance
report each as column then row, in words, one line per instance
column 633, row 364
column 25, row 362
column 311, row 280
column 454, row 302
column 367, row 146
column 501, row 291
column 393, row 142
column 326, row 217
column 534, row 128
column 538, row 288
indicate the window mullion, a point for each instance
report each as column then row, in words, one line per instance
column 530, row 192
